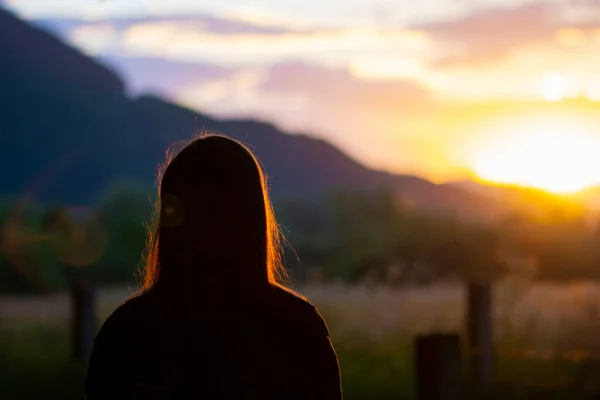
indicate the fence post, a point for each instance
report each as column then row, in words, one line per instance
column 438, row 367
column 480, row 336
column 83, row 319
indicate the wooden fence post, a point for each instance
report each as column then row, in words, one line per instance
column 438, row 367
column 83, row 319
column 480, row 336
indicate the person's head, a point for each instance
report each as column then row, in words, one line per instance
column 214, row 218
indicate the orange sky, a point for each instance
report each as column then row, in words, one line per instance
column 426, row 87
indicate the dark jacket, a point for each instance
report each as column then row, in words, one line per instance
column 272, row 346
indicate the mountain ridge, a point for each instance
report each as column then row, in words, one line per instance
column 99, row 135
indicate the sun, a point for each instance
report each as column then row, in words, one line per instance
column 555, row 153
column 554, row 86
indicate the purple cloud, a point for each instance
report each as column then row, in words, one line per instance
column 339, row 89
column 161, row 76
column 206, row 23
column 490, row 34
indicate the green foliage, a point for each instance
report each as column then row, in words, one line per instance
column 367, row 235
column 304, row 225
column 34, row 364
column 26, row 260
column 351, row 236
column 363, row 231
column 563, row 244
column 39, row 353
column 29, row 261
column 376, row 370
column 128, row 209
column 471, row 252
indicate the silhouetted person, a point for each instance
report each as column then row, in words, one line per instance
column 212, row 322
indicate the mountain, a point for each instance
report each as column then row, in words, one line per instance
column 67, row 130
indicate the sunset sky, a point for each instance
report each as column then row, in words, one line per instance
column 433, row 87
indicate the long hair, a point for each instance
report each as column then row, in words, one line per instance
column 213, row 217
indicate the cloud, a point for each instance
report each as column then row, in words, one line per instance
column 311, row 87
column 333, row 13
column 163, row 77
column 339, row 89
column 241, row 94
column 95, row 39
column 497, row 25
column 490, row 35
column 484, row 36
column 204, row 22
column 81, row 9
column 332, row 102
column 239, row 43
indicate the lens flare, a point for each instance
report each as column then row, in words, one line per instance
column 79, row 236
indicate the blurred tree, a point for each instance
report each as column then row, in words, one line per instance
column 420, row 236
column 27, row 264
column 567, row 252
column 561, row 243
column 127, row 208
column 363, row 232
column 470, row 251
column 369, row 234
column 304, row 224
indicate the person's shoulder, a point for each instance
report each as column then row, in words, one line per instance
column 291, row 298
column 133, row 303
column 129, row 311
column 298, row 310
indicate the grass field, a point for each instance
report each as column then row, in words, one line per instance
column 547, row 335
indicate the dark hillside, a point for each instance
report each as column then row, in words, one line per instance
column 67, row 128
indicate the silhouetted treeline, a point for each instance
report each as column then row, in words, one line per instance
column 349, row 236
column 379, row 238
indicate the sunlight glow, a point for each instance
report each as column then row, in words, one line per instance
column 554, row 86
column 592, row 90
column 560, row 155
